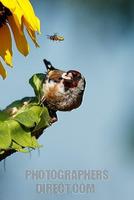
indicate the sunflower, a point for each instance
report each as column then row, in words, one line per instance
column 15, row 15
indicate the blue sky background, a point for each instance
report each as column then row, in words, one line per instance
column 98, row 42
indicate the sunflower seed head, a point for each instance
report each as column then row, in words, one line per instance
column 4, row 13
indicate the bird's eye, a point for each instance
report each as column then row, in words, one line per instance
column 56, row 81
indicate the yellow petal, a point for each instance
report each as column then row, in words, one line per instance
column 14, row 8
column 29, row 15
column 38, row 24
column 3, row 72
column 6, row 45
column 18, row 13
column 19, row 36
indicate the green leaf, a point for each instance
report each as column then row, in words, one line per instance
column 16, row 104
column 19, row 148
column 5, row 137
column 16, row 127
column 20, row 103
column 29, row 117
column 19, row 135
column 36, row 82
column 3, row 116
column 35, row 143
column 44, row 119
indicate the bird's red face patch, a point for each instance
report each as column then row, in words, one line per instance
column 75, row 77
column 70, row 84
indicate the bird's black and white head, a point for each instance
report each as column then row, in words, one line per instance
column 69, row 79
column 62, row 90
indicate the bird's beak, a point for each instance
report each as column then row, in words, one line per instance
column 66, row 76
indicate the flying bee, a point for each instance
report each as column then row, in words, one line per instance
column 55, row 37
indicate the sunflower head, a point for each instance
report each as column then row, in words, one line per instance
column 16, row 14
column 4, row 13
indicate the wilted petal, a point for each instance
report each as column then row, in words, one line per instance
column 3, row 72
column 19, row 36
column 6, row 45
column 33, row 36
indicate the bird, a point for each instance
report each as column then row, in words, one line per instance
column 62, row 90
